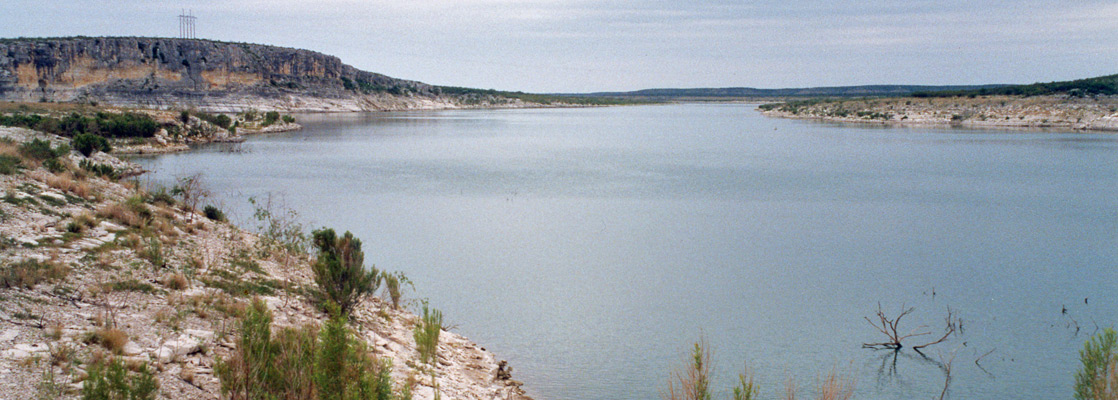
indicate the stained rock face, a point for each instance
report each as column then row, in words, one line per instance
column 165, row 72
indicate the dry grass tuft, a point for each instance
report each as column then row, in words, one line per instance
column 187, row 374
column 836, row 387
column 66, row 182
column 121, row 213
column 112, row 339
column 175, row 281
column 28, row 273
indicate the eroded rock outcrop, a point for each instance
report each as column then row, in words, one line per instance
column 204, row 74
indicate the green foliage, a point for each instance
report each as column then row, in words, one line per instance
column 250, row 372
column 99, row 169
column 102, row 123
column 1098, row 86
column 127, row 125
column 330, row 364
column 270, row 118
column 693, row 381
column 470, row 95
column 288, row 119
column 153, row 252
column 220, row 120
column 426, row 334
column 746, row 389
column 88, row 143
column 1098, row 379
column 340, row 271
column 131, row 285
column 39, row 149
column 393, row 283
column 9, row 164
column 213, row 213
column 302, row 363
column 113, row 382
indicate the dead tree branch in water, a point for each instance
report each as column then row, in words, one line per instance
column 947, row 363
column 951, row 323
column 889, row 327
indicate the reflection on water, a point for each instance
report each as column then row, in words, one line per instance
column 590, row 246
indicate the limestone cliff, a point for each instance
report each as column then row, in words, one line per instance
column 204, row 74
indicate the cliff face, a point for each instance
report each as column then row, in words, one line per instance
column 218, row 76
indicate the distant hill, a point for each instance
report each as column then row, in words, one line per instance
column 1103, row 85
column 746, row 92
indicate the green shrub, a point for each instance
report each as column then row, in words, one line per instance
column 98, row 169
column 113, row 382
column 1098, row 379
column 288, row 119
column 184, row 116
column 250, row 373
column 393, row 285
column 9, row 164
column 270, row 118
column 53, row 165
column 127, row 125
column 340, row 270
column 213, row 213
column 39, row 149
column 426, row 334
column 87, row 144
column 304, row 363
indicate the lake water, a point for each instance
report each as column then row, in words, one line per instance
column 590, row 247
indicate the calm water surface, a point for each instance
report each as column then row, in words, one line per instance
column 589, row 247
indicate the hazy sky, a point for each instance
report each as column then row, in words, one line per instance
column 579, row 46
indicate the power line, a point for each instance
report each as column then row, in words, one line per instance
column 186, row 25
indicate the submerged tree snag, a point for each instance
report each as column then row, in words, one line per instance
column 888, row 327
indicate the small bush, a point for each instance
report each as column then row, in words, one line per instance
column 426, row 335
column 213, row 213
column 340, row 270
column 270, row 118
column 288, row 119
column 98, row 169
column 53, row 165
column 38, row 149
column 87, row 144
column 111, row 339
column 303, row 363
column 9, row 164
column 130, row 285
column 175, row 281
column 1098, row 378
column 111, row 381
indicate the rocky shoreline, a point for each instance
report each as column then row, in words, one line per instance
column 986, row 112
column 92, row 267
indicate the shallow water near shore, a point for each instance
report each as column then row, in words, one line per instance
column 590, row 247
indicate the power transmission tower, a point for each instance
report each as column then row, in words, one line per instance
column 186, row 25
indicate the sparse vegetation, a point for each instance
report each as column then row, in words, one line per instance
column 426, row 334
column 109, row 380
column 302, row 363
column 28, row 273
column 693, row 381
